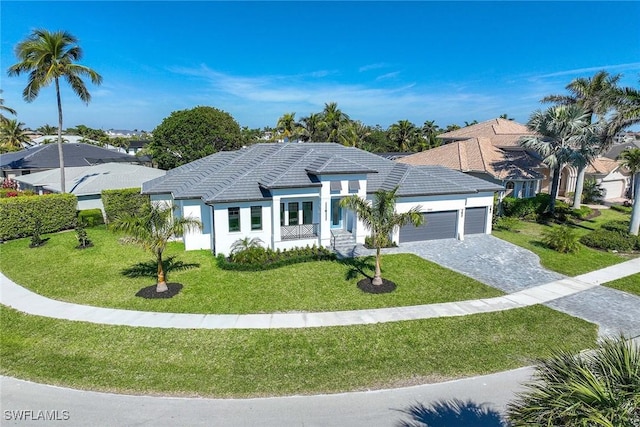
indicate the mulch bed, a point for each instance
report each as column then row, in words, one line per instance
column 387, row 286
column 150, row 291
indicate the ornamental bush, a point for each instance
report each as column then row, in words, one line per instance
column 526, row 208
column 18, row 215
column 90, row 217
column 561, row 239
column 257, row 258
column 123, row 201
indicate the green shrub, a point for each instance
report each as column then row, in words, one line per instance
column 611, row 240
column 592, row 191
column 507, row 223
column 618, row 225
column 18, row 214
column 83, row 238
column 561, row 239
column 526, row 208
column 123, row 201
column 90, row 217
column 10, row 192
column 621, row 208
column 257, row 258
column 36, row 234
column 581, row 213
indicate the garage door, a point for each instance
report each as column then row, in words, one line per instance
column 437, row 225
column 613, row 189
column 475, row 220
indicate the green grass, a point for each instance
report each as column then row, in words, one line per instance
column 93, row 276
column 529, row 236
column 242, row 363
column 629, row 284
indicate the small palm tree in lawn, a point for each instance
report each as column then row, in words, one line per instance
column 12, row 136
column 153, row 230
column 597, row 388
column 558, row 132
column 631, row 159
column 48, row 57
column 381, row 218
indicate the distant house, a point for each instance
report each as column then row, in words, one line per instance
column 45, row 157
column 491, row 150
column 288, row 194
column 87, row 182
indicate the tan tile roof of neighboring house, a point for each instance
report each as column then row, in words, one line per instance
column 479, row 155
column 502, row 132
column 603, row 166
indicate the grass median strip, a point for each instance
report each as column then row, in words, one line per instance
column 244, row 363
column 93, row 276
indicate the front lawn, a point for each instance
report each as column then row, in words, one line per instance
column 242, row 363
column 529, row 236
column 629, row 284
column 94, row 276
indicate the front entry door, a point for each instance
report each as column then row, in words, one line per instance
column 336, row 214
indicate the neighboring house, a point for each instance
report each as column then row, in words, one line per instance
column 87, row 182
column 489, row 150
column 66, row 139
column 45, row 157
column 288, row 194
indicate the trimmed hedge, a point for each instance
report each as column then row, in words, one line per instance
column 18, row 214
column 610, row 240
column 90, row 217
column 622, row 208
column 123, row 201
column 259, row 258
column 526, row 208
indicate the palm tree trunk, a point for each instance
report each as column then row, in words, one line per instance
column 162, row 285
column 554, row 188
column 377, row 277
column 577, row 197
column 60, row 155
column 635, row 213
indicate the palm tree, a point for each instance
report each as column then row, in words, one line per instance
column 597, row 96
column 287, row 125
column 430, row 131
column 47, row 129
column 557, row 132
column 631, row 159
column 627, row 110
column 12, row 136
column 47, row 57
column 334, row 119
column 312, row 127
column 596, row 388
column 5, row 109
column 403, row 134
column 152, row 231
column 381, row 218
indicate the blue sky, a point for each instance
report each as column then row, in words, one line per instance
column 380, row 61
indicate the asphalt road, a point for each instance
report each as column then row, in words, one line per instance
column 452, row 399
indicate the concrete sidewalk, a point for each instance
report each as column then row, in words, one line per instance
column 21, row 299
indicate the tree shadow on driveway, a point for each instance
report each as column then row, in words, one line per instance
column 449, row 413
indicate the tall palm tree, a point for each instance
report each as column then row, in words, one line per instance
column 334, row 119
column 12, row 136
column 627, row 110
column 596, row 95
column 404, row 135
column 596, row 388
column 430, row 131
column 557, row 133
column 381, row 218
column 48, row 57
column 5, row 109
column 152, row 231
column 47, row 129
column 312, row 127
column 631, row 159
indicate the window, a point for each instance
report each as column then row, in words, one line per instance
column 336, row 186
column 307, row 212
column 281, row 214
column 256, row 217
column 234, row 219
column 354, row 186
column 293, row 213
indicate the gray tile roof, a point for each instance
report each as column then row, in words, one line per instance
column 75, row 155
column 250, row 173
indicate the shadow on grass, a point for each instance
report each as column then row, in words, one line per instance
column 150, row 268
column 150, row 291
column 455, row 412
column 358, row 266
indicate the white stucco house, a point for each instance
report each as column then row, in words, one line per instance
column 288, row 195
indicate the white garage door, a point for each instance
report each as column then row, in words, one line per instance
column 613, row 189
